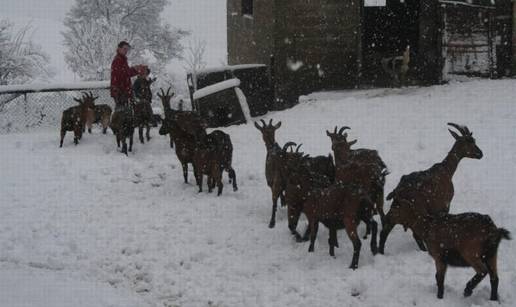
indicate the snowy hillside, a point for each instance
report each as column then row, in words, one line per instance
column 128, row 231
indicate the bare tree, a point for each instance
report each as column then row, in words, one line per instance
column 93, row 28
column 21, row 60
column 194, row 58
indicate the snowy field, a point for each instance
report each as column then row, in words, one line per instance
column 87, row 226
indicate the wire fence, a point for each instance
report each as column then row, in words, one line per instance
column 25, row 109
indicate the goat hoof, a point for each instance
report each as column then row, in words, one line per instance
column 353, row 266
column 494, row 298
column 272, row 224
column 235, row 189
column 467, row 292
column 310, row 249
column 439, row 296
column 299, row 239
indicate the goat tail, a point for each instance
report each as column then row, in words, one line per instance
column 504, row 234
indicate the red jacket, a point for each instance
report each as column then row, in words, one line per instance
column 121, row 75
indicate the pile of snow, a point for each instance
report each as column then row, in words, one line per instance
column 88, row 213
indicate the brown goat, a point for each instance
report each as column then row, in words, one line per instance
column 301, row 180
column 213, row 154
column 88, row 117
column 431, row 189
column 184, row 142
column 464, row 240
column 273, row 163
column 143, row 115
column 362, row 167
column 167, row 111
column 340, row 206
column 75, row 118
column 102, row 113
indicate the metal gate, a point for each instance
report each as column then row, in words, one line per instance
column 468, row 39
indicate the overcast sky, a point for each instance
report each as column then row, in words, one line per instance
column 205, row 18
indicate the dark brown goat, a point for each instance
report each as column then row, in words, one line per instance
column 273, row 163
column 122, row 125
column 362, row 167
column 464, row 240
column 340, row 206
column 143, row 109
column 172, row 125
column 74, row 119
column 431, row 189
column 213, row 154
column 301, row 179
column 167, row 111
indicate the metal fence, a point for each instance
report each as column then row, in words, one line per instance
column 27, row 108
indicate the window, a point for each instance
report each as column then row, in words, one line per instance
column 247, row 7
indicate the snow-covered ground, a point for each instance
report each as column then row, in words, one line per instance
column 88, row 222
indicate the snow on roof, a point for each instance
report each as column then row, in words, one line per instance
column 40, row 87
column 215, row 88
column 471, row 3
column 230, row 68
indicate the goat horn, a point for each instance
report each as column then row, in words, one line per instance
column 287, row 145
column 466, row 129
column 458, row 127
column 168, row 90
column 343, row 128
column 162, row 92
column 298, row 146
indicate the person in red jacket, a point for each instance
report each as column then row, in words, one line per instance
column 122, row 121
column 121, row 73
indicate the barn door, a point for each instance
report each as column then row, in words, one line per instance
column 468, row 42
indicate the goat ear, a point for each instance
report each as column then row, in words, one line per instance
column 257, row 126
column 455, row 135
column 352, row 143
column 328, row 133
column 78, row 100
column 277, row 126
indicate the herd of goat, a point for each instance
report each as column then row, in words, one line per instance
column 339, row 191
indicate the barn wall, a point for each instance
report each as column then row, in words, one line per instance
column 316, row 45
column 250, row 37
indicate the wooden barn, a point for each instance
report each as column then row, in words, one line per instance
column 333, row 44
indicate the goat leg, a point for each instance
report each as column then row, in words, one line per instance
column 374, row 232
column 386, row 229
column 419, row 242
column 351, row 229
column 232, row 176
column 63, row 133
column 493, row 277
column 140, row 133
column 332, row 241
column 481, row 272
column 131, row 141
column 314, row 226
column 148, row 132
column 440, row 267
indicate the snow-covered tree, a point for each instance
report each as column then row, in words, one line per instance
column 194, row 58
column 94, row 28
column 21, row 60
